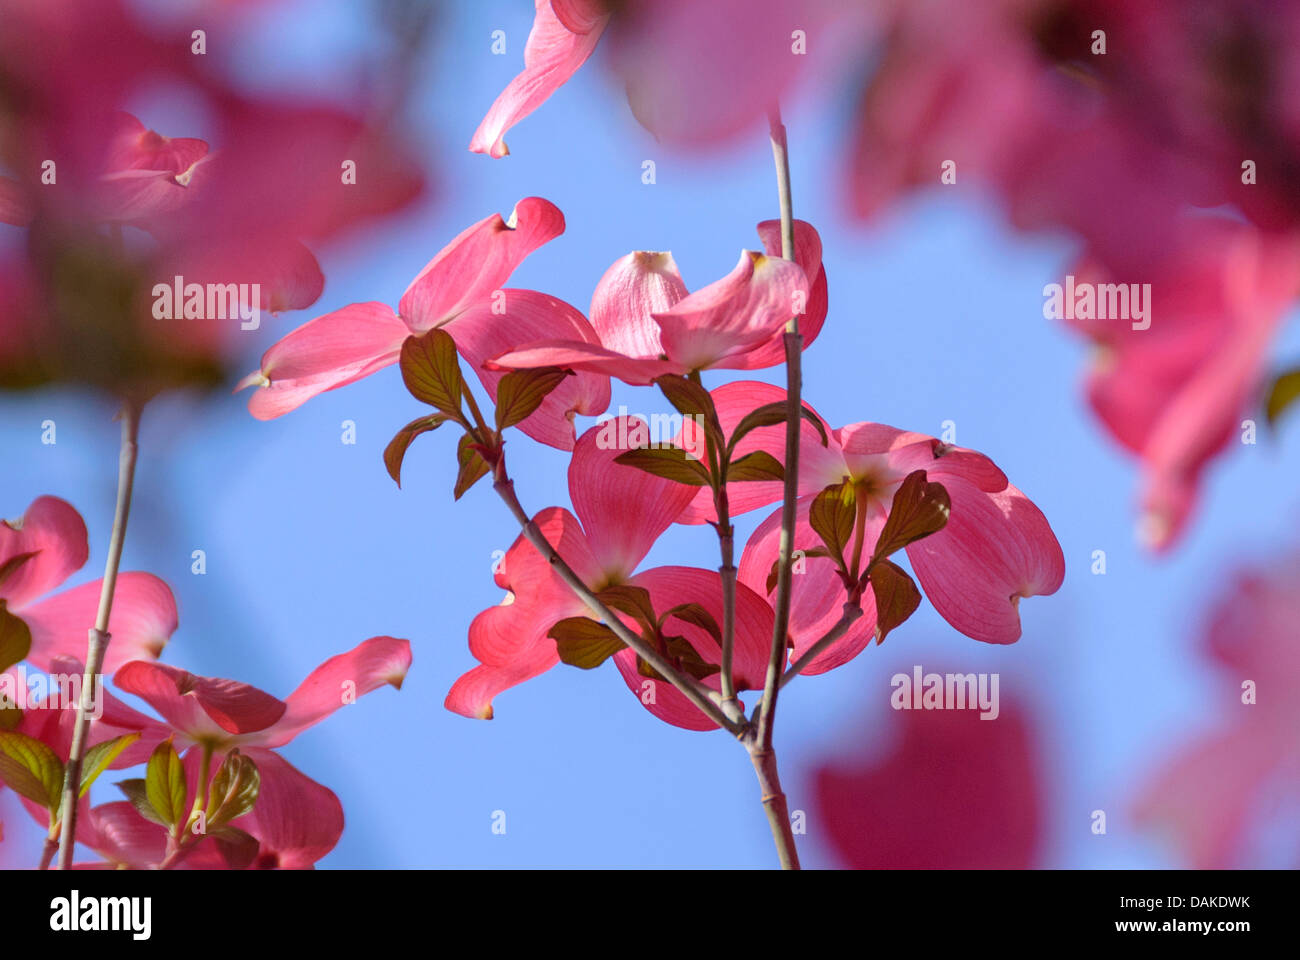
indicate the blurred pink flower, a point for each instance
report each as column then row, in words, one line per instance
column 564, row 35
column 284, row 172
column 1210, row 797
column 695, row 73
column 956, row 792
column 1174, row 392
column 1118, row 150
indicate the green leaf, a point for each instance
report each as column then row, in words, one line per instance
column 237, row 848
column 165, row 786
column 31, row 769
column 775, row 572
column 472, row 465
column 234, row 790
column 99, row 757
column 395, row 452
column 15, row 638
column 431, row 371
column 521, row 392
column 1284, row 391
column 758, row 465
column 136, row 791
column 695, row 614
column 583, row 642
column 13, row 564
column 920, row 508
column 832, row 515
column 896, row 597
column 671, row 463
column 769, row 415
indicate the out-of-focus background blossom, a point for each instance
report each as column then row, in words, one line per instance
column 1119, row 166
column 1230, row 796
column 953, row 790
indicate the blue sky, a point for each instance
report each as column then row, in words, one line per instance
column 936, row 314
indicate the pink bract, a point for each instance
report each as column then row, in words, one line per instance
column 46, row 546
column 996, row 548
column 649, row 325
column 621, row 511
column 460, row 290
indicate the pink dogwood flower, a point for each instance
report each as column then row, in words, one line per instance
column 459, row 290
column 695, row 73
column 649, row 325
column 1214, row 798
column 955, row 793
column 227, row 713
column 621, row 511
column 1174, row 391
column 996, row 548
column 44, row 547
column 50, row 720
column 564, row 35
column 295, row 819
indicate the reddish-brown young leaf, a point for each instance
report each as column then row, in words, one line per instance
column 690, row 399
column 15, row 638
column 472, row 465
column 896, row 597
column 920, row 508
column 632, row 600
column 831, row 515
column 395, row 452
column 695, row 614
column 776, row 564
column 1282, row 393
column 521, row 392
column 431, row 371
column 758, row 465
column 671, row 463
column 769, row 415
column 583, row 642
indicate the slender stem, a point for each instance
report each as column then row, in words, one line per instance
column 775, row 806
column 758, row 740
column 201, row 794
column 852, row 611
column 473, row 407
column 793, row 349
column 731, row 719
column 727, row 569
column 48, row 851
column 727, row 548
column 176, row 849
column 781, row 154
column 97, row 643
